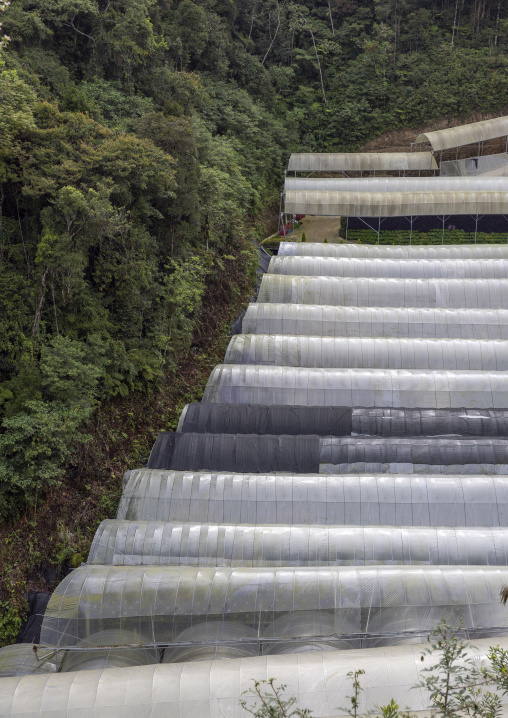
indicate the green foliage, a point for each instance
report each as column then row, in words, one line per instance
column 271, row 703
column 434, row 236
column 304, row 237
column 139, row 142
column 353, row 709
column 10, row 623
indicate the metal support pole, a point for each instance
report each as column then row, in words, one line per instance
column 378, row 228
column 442, row 236
column 347, row 225
column 411, row 231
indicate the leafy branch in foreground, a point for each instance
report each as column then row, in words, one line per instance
column 272, row 703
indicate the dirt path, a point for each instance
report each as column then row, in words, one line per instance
column 316, row 229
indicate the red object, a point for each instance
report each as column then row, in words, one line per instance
column 299, row 217
column 285, row 228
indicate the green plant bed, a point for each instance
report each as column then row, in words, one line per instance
column 435, row 236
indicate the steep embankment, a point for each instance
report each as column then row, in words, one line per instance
column 38, row 549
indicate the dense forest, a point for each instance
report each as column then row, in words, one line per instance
column 141, row 144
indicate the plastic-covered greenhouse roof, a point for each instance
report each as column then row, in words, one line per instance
column 128, row 543
column 302, row 454
column 402, row 322
column 361, row 161
column 390, row 268
column 485, row 165
column 203, row 417
column 368, row 499
column 375, row 251
column 367, row 353
column 397, row 184
column 318, row 681
column 385, row 292
column 465, row 134
column 21, row 659
column 394, row 204
column 158, row 603
column 235, row 452
column 340, row 421
column 250, row 384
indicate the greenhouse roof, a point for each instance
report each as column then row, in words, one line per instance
column 361, row 161
column 395, row 204
column 465, row 134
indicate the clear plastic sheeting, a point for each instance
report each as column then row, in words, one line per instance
column 216, row 639
column 160, row 602
column 123, row 651
column 366, row 353
column 248, row 384
column 21, row 659
column 485, row 165
column 370, row 500
column 361, row 161
column 390, row 268
column 133, row 543
column 430, row 422
column 394, row 204
column 397, row 184
column 397, row 322
column 235, row 452
column 262, row 419
column 380, row 251
column 204, row 689
column 465, row 134
column 369, row 292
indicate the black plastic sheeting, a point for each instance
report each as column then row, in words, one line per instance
column 414, row 450
column 432, row 422
column 252, row 453
column 209, row 418
column 30, row 631
column 235, row 452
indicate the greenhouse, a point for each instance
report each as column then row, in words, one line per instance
column 253, row 384
column 445, row 251
column 361, row 162
column 158, row 603
column 319, row 681
column 341, row 487
column 367, row 499
column 397, row 322
column 366, row 292
column 371, row 352
column 397, row 184
column 130, row 543
column 340, row 421
column 386, row 268
column 395, row 204
column 475, row 132
column 263, row 419
column 330, row 454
